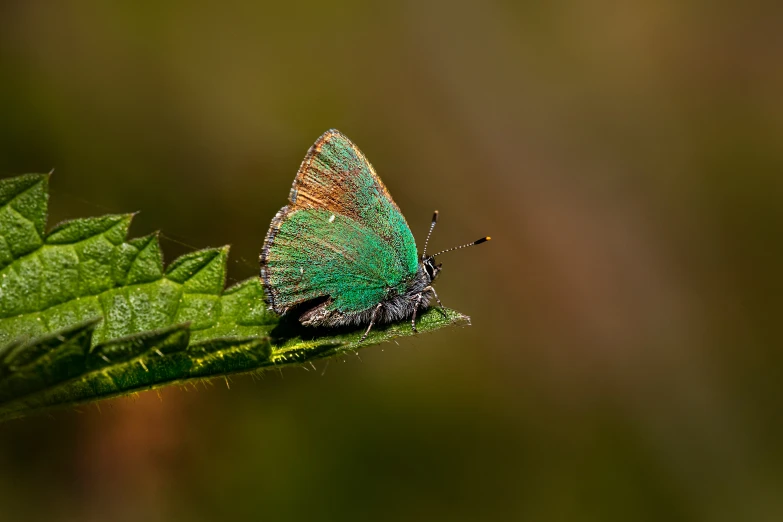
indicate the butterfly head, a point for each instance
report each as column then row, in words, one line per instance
column 428, row 262
column 431, row 268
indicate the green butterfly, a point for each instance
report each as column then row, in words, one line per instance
column 341, row 253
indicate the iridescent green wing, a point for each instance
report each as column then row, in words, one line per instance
column 342, row 235
column 317, row 253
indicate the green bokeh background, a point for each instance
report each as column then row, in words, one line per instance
column 624, row 361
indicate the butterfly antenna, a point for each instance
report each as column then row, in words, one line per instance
column 432, row 226
column 476, row 242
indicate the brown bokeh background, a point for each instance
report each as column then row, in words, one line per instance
column 624, row 361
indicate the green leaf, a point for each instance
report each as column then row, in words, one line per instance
column 86, row 314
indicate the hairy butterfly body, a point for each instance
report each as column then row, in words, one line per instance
column 341, row 252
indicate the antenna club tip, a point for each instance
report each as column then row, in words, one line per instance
column 488, row 238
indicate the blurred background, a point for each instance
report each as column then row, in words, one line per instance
column 625, row 359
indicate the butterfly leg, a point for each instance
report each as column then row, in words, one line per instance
column 372, row 322
column 415, row 309
column 432, row 290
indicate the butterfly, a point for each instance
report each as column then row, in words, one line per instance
column 341, row 253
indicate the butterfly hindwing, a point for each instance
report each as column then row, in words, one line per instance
column 341, row 237
column 316, row 255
